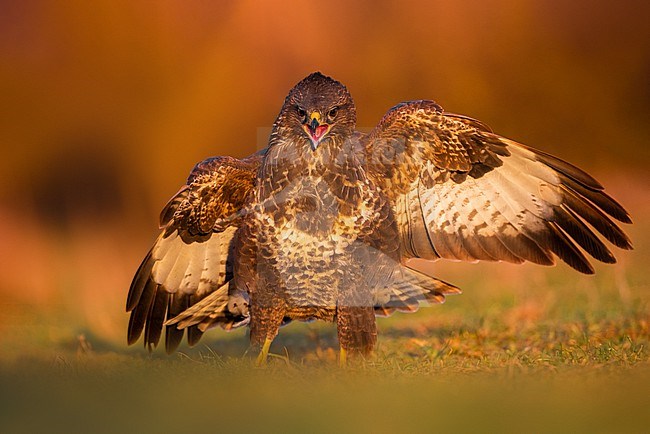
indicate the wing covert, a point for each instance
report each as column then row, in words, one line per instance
column 461, row 192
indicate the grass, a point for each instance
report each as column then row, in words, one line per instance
column 523, row 349
column 565, row 354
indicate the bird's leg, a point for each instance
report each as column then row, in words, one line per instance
column 343, row 357
column 357, row 331
column 264, row 353
column 265, row 323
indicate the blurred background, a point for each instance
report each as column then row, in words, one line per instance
column 107, row 105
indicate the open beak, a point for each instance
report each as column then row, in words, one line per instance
column 315, row 129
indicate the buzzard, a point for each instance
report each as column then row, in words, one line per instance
column 319, row 225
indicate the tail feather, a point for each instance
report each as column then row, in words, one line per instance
column 224, row 307
column 411, row 288
column 214, row 304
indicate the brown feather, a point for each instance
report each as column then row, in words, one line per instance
column 140, row 312
column 596, row 218
column 573, row 226
column 139, row 282
column 562, row 246
column 357, row 329
column 155, row 318
column 193, row 335
column 217, row 189
column 598, row 198
column 173, row 336
column 167, row 213
column 565, row 168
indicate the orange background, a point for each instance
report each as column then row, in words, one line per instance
column 107, row 105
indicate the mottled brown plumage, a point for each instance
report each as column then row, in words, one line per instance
column 319, row 224
column 191, row 259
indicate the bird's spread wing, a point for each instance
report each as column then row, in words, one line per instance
column 190, row 259
column 461, row 192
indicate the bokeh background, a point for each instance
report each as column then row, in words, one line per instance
column 107, row 105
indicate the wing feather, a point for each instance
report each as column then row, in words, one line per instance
column 415, row 240
column 140, row 311
column 156, row 317
column 495, row 245
column 596, row 218
column 566, row 249
column 598, row 198
column 178, row 302
column 485, row 197
column 139, row 282
column 570, row 223
column 191, row 257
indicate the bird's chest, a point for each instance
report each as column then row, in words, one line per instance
column 322, row 213
column 310, row 265
column 313, row 224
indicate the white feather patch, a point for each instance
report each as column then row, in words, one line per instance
column 518, row 195
column 194, row 268
column 165, row 253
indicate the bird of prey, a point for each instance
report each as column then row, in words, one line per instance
column 320, row 224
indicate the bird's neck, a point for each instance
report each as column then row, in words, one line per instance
column 300, row 154
column 293, row 162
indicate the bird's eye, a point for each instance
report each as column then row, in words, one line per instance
column 333, row 112
column 301, row 112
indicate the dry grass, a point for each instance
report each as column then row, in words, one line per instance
column 565, row 354
column 525, row 348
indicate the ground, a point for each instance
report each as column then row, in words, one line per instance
column 523, row 349
column 565, row 354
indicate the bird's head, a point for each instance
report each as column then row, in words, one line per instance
column 319, row 108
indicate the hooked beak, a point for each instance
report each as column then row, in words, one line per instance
column 315, row 130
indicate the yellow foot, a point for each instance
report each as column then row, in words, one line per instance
column 343, row 358
column 261, row 358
